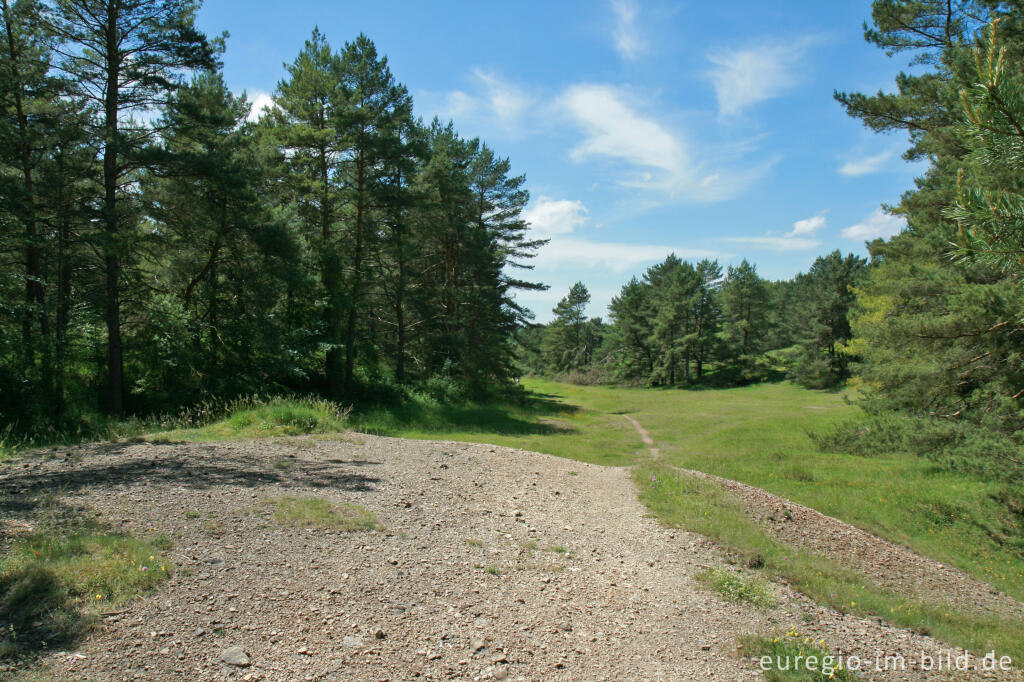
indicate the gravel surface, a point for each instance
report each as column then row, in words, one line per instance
column 466, row 580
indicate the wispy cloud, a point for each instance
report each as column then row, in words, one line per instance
column 866, row 165
column 506, row 100
column 744, row 77
column 877, row 225
column 800, row 238
column 628, row 40
column 492, row 100
column 613, row 129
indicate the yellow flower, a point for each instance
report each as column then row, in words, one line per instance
column 150, row 557
column 99, row 596
column 163, row 568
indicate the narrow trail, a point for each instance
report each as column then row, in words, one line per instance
column 645, row 437
column 893, row 566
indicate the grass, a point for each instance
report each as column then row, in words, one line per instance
column 792, row 658
column 56, row 579
column 535, row 421
column 684, row 501
column 315, row 512
column 257, row 418
column 739, row 587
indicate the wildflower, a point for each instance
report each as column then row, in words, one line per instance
column 99, row 596
column 150, row 557
column 163, row 568
column 144, row 568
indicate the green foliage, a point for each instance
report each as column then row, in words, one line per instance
column 936, row 326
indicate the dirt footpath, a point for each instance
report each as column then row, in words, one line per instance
column 493, row 563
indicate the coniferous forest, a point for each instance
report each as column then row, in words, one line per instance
column 163, row 244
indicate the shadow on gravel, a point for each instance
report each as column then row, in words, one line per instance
column 20, row 490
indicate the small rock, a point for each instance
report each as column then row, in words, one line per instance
column 380, row 634
column 352, row 641
column 500, row 673
column 478, row 644
column 199, row 632
column 234, row 656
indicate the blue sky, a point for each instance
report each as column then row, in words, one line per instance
column 643, row 127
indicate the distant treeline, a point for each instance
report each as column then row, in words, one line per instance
column 160, row 246
column 685, row 324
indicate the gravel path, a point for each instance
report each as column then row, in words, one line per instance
column 467, row 580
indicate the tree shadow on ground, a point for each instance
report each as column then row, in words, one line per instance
column 104, row 465
column 523, row 414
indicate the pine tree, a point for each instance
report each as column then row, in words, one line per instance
column 125, row 57
column 567, row 347
column 826, row 295
column 305, row 119
column 370, row 120
column 745, row 311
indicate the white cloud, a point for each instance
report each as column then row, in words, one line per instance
column 800, row 238
column 877, row 225
column 259, row 103
column 628, row 40
column 549, row 217
column 866, row 165
column 614, row 256
column 745, row 77
column 808, row 225
column 613, row 129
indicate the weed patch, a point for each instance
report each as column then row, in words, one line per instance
column 314, row 512
column 793, row 658
column 52, row 583
column 738, row 587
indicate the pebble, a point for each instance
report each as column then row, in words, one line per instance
column 235, row 655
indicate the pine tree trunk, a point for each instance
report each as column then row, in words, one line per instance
column 357, row 277
column 33, row 270
column 112, row 261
